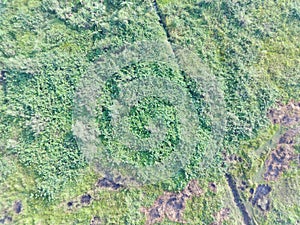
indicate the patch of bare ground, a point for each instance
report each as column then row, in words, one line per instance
column 279, row 161
column 7, row 213
column 260, row 198
column 96, row 220
column 286, row 115
column 80, row 201
column 6, row 220
column 280, row 158
column 87, row 198
column 109, row 184
column 18, row 206
column 171, row 205
column 221, row 216
column 213, row 187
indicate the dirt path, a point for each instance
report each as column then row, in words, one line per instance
column 162, row 19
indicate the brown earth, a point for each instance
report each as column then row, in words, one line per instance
column 96, row 220
column 279, row 161
column 286, row 115
column 260, row 198
column 7, row 212
column 5, row 219
column 18, row 206
column 280, row 158
column 213, row 187
column 171, row 205
column 221, row 216
column 86, row 199
column 107, row 183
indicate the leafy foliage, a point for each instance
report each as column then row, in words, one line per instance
column 247, row 60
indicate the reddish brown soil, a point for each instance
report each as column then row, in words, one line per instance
column 221, row 216
column 171, row 205
column 280, row 158
column 286, row 115
column 279, row 161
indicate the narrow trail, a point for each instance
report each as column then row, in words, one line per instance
column 162, row 19
column 238, row 200
column 229, row 178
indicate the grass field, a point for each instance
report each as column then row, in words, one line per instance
column 150, row 95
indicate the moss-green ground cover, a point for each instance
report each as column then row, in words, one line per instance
column 249, row 49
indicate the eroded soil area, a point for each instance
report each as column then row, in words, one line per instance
column 5, row 219
column 279, row 161
column 238, row 200
column 286, row 115
column 18, row 206
column 280, row 158
column 8, row 214
column 221, row 216
column 172, row 205
column 96, row 220
column 107, row 183
column 260, row 198
column 87, row 198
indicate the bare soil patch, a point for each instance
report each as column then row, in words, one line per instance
column 279, row 161
column 243, row 186
column 286, row 115
column 18, row 206
column 280, row 158
column 96, row 220
column 107, row 183
column 5, row 219
column 260, row 198
column 3, row 84
column 172, row 205
column 213, row 187
column 86, row 199
column 221, row 216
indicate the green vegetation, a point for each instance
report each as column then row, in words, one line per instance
column 90, row 88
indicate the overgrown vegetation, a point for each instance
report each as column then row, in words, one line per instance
column 243, row 60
